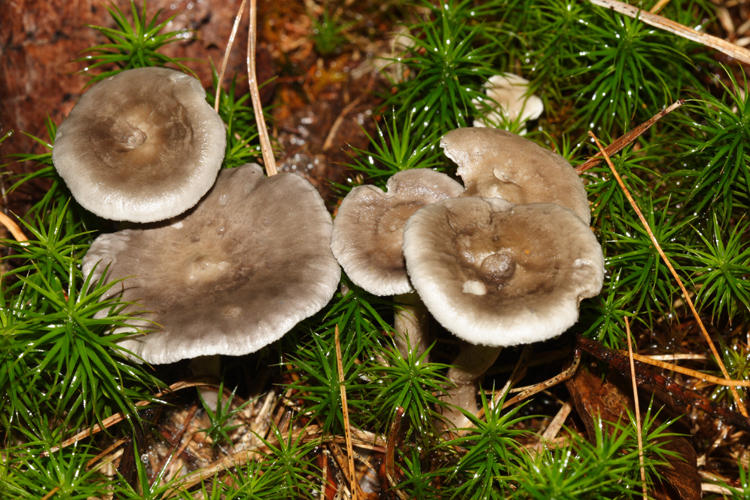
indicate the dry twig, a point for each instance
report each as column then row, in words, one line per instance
column 732, row 50
column 528, row 391
column 622, row 141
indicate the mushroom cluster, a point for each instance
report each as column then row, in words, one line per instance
column 219, row 269
column 505, row 261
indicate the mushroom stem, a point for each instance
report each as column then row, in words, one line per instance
column 470, row 364
column 209, row 368
column 411, row 323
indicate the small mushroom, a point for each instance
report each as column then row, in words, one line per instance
column 509, row 94
column 369, row 225
column 368, row 235
column 230, row 276
column 496, row 163
column 142, row 146
column 497, row 274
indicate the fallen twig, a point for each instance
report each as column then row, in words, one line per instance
column 621, row 142
column 740, row 53
column 528, row 391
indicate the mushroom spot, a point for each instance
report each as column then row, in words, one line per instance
column 128, row 135
column 498, row 267
column 474, row 287
column 204, row 269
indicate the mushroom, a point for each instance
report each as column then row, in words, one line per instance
column 497, row 274
column 368, row 235
column 230, row 276
column 510, row 95
column 496, row 163
column 142, row 145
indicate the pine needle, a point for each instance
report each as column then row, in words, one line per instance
column 252, row 81
column 691, row 373
column 228, row 51
column 13, row 228
column 119, row 417
column 637, row 409
column 672, row 270
column 739, row 53
column 345, row 410
column 621, row 142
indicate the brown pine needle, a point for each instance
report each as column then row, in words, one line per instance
column 637, row 409
column 528, row 391
column 339, row 120
column 228, row 51
column 51, row 493
column 265, row 143
column 658, row 6
column 119, row 417
column 13, row 228
column 691, row 373
column 553, row 429
column 672, row 270
column 345, row 410
column 621, row 142
column 109, row 449
column 732, row 50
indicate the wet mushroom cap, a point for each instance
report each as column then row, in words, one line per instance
column 234, row 274
column 368, row 229
column 496, row 163
column 499, row 274
column 142, row 146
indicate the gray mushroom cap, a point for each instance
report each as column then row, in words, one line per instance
column 499, row 274
column 368, row 229
column 234, row 274
column 496, row 163
column 142, row 146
